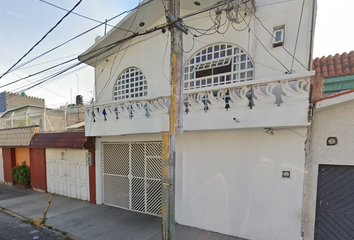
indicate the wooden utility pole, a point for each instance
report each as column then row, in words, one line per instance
column 175, row 121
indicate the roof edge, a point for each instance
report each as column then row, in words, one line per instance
column 334, row 99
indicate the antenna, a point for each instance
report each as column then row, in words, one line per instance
column 77, row 79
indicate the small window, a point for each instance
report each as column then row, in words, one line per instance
column 278, row 36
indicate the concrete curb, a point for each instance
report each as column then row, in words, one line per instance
column 37, row 222
column 12, row 213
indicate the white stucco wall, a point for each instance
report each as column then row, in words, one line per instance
column 332, row 121
column 151, row 53
column 230, row 181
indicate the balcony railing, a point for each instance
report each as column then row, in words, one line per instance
column 290, row 93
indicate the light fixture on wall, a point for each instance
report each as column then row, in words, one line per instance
column 285, row 174
column 331, row 141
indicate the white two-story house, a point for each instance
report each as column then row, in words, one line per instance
column 240, row 160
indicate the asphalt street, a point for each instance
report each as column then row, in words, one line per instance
column 12, row 228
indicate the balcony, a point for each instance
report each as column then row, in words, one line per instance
column 281, row 101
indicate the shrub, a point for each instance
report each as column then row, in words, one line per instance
column 21, row 174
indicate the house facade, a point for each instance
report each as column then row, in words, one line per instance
column 240, row 160
column 52, row 142
column 328, row 190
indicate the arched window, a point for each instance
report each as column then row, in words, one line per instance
column 131, row 83
column 217, row 65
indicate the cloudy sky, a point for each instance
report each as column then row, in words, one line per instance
column 24, row 22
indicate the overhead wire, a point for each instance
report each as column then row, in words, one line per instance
column 43, row 87
column 83, row 33
column 39, row 72
column 274, row 36
column 83, row 16
column 42, row 71
column 115, row 57
column 53, row 60
column 47, row 78
column 297, row 34
column 35, row 45
column 108, row 47
column 265, row 48
column 97, row 52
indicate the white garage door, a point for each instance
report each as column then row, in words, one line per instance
column 67, row 173
column 1, row 167
column 132, row 175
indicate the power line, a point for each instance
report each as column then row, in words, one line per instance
column 110, row 72
column 80, row 15
column 67, row 42
column 81, row 34
column 77, row 4
column 72, row 55
column 42, row 71
column 44, row 88
column 297, row 35
column 104, row 49
column 265, row 48
column 274, row 37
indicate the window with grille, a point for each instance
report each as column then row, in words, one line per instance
column 217, row 65
column 130, row 84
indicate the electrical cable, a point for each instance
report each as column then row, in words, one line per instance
column 297, row 35
column 43, row 87
column 80, row 15
column 265, row 48
column 34, row 65
column 83, row 33
column 114, row 44
column 42, row 71
column 110, row 46
column 115, row 57
column 273, row 36
column 77, row 4
column 163, row 59
column 103, row 49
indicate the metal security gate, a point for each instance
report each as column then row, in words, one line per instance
column 132, row 175
column 335, row 203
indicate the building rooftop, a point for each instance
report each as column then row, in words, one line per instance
column 334, row 66
column 332, row 74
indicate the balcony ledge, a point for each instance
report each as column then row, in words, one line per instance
column 276, row 102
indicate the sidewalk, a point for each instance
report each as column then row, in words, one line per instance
column 92, row 222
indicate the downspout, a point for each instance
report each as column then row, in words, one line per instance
column 314, row 12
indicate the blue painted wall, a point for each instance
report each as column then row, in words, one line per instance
column 3, row 102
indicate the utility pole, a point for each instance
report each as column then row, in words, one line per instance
column 175, row 122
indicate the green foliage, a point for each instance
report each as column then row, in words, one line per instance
column 21, row 174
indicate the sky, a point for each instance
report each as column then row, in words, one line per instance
column 25, row 22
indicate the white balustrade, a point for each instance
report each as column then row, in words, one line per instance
column 226, row 98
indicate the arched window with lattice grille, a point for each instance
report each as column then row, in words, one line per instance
column 131, row 83
column 216, row 65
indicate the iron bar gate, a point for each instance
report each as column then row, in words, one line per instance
column 132, row 176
